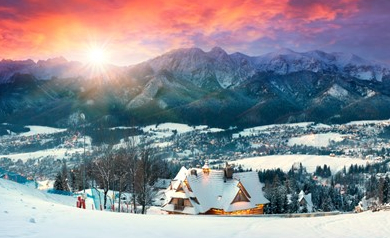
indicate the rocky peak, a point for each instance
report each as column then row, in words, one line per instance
column 53, row 61
column 217, row 51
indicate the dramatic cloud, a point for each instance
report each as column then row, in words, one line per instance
column 132, row 31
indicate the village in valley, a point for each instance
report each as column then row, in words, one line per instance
column 177, row 168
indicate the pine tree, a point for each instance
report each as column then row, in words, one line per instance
column 293, row 206
column 327, row 204
column 282, row 197
column 64, row 177
column 372, row 187
column 58, row 183
column 386, row 190
column 61, row 181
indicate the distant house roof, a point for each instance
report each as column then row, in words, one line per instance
column 212, row 190
column 305, row 199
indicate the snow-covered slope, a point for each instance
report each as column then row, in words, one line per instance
column 201, row 67
column 287, row 61
column 317, row 140
column 56, row 153
column 26, row 212
column 35, row 130
column 285, row 162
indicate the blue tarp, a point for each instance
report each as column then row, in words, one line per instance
column 96, row 200
column 13, row 176
column 60, row 192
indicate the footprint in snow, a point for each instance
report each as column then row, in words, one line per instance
column 6, row 212
column 32, row 220
column 34, row 208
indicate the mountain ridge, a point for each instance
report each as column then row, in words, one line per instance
column 283, row 61
column 197, row 87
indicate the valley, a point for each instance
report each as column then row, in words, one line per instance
column 359, row 142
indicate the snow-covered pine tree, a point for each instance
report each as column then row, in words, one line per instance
column 61, row 181
column 386, row 190
column 58, row 183
column 293, row 206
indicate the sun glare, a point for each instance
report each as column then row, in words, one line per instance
column 97, row 56
column 98, row 60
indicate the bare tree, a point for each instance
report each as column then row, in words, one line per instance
column 121, row 171
column 104, row 167
column 145, row 177
column 132, row 163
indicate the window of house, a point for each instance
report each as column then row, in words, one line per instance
column 242, row 188
column 180, row 189
column 240, row 197
column 187, row 203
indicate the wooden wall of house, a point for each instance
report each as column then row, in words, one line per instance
column 254, row 211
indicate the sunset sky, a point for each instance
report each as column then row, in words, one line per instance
column 131, row 31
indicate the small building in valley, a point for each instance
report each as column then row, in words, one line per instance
column 218, row 192
column 304, row 201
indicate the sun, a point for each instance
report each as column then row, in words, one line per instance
column 97, row 56
column 97, row 59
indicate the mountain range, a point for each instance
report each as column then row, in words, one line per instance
column 197, row 87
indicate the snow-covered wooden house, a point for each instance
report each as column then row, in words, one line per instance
column 304, row 200
column 222, row 192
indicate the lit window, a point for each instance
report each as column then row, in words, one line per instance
column 240, row 197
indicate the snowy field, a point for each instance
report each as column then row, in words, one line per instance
column 317, row 140
column 369, row 122
column 26, row 212
column 167, row 129
column 285, row 162
column 253, row 131
column 35, row 130
column 58, row 153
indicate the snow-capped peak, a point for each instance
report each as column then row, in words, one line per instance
column 287, row 61
column 200, row 67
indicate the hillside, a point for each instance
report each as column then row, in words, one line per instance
column 285, row 162
column 196, row 87
column 26, row 212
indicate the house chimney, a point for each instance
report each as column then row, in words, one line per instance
column 193, row 172
column 228, row 171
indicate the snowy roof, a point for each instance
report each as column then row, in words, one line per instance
column 212, row 190
column 307, row 198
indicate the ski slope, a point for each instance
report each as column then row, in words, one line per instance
column 27, row 212
column 284, row 162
